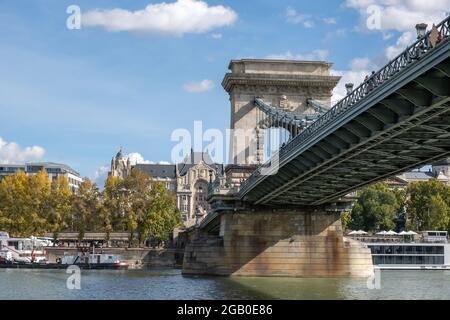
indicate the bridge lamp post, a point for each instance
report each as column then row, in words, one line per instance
column 349, row 87
column 421, row 29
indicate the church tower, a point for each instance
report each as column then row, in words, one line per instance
column 120, row 166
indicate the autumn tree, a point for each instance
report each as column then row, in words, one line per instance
column 60, row 206
column 86, row 207
column 112, row 211
column 24, row 202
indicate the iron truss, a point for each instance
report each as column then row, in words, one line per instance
column 396, row 121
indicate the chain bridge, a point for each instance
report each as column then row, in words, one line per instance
column 279, row 218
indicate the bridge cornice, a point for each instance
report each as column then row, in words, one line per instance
column 233, row 79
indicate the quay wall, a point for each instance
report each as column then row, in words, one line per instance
column 136, row 257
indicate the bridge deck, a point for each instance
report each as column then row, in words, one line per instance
column 398, row 122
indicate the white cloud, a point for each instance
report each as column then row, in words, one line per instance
column 164, row 162
column 402, row 43
column 12, row 153
column 359, row 64
column 387, row 36
column 402, row 15
column 398, row 15
column 292, row 16
column 177, row 18
column 200, row 86
column 359, row 69
column 329, row 20
column 316, row 55
column 216, row 36
column 100, row 175
column 137, row 158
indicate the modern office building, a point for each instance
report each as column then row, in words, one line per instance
column 53, row 170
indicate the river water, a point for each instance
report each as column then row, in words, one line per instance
column 170, row 284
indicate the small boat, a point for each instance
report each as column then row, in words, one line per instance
column 29, row 253
column 21, row 250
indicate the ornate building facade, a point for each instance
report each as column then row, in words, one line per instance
column 188, row 181
column 439, row 170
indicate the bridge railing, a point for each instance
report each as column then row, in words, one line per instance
column 409, row 56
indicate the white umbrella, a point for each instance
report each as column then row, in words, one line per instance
column 357, row 233
column 391, row 233
column 382, row 233
column 411, row 233
column 403, row 233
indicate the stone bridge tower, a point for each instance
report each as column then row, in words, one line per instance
column 283, row 84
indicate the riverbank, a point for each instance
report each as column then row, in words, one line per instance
column 137, row 258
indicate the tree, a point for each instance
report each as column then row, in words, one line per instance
column 376, row 209
column 85, row 212
column 60, row 206
column 111, row 211
column 13, row 194
column 346, row 217
column 24, row 202
column 162, row 217
column 428, row 205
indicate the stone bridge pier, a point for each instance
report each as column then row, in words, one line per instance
column 285, row 243
column 244, row 239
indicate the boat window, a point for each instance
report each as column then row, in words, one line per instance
column 440, row 250
column 419, row 249
column 429, row 250
column 14, row 244
column 389, row 260
column 398, row 249
column 377, row 249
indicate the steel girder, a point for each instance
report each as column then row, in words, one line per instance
column 401, row 125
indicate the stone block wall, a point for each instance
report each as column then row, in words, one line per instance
column 290, row 243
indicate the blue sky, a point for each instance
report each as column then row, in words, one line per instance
column 78, row 95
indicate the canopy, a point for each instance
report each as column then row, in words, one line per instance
column 411, row 233
column 391, row 233
column 357, row 233
column 382, row 233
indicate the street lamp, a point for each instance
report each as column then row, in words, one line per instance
column 349, row 87
column 421, row 29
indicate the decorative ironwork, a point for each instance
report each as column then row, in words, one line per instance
column 409, row 56
column 287, row 118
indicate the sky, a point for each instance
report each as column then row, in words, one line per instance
column 135, row 71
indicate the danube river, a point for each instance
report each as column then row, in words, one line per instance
column 170, row 284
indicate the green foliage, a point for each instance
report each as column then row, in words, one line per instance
column 346, row 217
column 428, row 206
column 86, row 207
column 376, row 209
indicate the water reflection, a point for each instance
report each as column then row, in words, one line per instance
column 170, row 284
